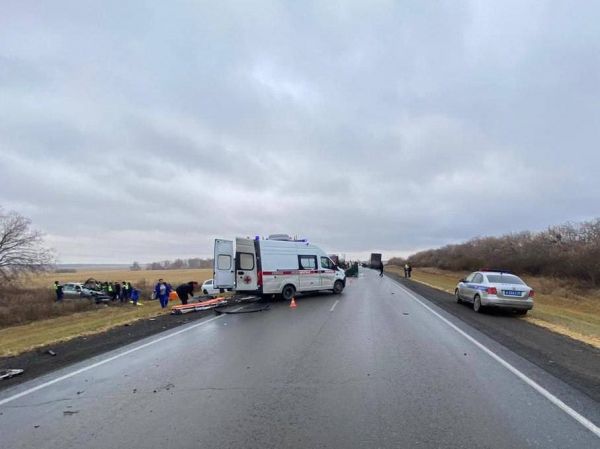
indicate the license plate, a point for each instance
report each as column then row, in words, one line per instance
column 512, row 293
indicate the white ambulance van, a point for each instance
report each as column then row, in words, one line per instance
column 275, row 265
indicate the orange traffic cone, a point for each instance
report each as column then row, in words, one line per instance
column 293, row 303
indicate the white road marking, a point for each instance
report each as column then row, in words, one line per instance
column 533, row 384
column 334, row 304
column 103, row 362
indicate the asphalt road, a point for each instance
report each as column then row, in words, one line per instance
column 376, row 367
column 572, row 361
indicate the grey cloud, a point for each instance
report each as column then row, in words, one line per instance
column 146, row 129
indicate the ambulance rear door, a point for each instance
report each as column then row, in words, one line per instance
column 246, row 272
column 223, row 271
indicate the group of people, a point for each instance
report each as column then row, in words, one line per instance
column 162, row 291
column 118, row 291
column 407, row 270
column 125, row 292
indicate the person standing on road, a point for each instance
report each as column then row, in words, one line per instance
column 409, row 270
column 58, row 289
column 111, row 291
column 161, row 291
column 186, row 290
column 406, row 270
column 380, row 269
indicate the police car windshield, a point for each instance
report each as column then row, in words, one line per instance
column 504, row 279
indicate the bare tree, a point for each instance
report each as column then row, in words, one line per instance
column 22, row 249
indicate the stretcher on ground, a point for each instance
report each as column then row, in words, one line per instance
column 197, row 306
column 206, row 302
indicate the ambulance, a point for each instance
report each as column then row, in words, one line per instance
column 277, row 265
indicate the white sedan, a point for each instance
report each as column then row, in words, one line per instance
column 208, row 289
column 495, row 288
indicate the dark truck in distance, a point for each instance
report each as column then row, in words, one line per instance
column 375, row 260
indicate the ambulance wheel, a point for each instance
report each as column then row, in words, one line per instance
column 288, row 292
column 338, row 286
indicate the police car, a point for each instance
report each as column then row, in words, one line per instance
column 495, row 288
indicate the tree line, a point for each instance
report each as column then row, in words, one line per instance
column 569, row 250
column 177, row 264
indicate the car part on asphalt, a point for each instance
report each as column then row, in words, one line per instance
column 8, row 373
column 250, row 308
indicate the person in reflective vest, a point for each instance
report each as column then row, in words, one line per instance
column 111, row 291
column 58, row 289
column 126, row 291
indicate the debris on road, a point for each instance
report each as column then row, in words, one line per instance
column 353, row 270
column 245, row 304
column 8, row 373
column 51, row 352
column 228, row 310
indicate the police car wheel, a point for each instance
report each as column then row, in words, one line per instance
column 458, row 299
column 477, row 307
column 205, row 292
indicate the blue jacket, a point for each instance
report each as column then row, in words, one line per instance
column 157, row 290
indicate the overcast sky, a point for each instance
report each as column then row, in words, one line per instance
column 142, row 130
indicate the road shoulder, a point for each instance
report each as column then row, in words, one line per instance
column 39, row 361
column 571, row 361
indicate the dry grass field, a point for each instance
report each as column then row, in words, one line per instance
column 560, row 305
column 30, row 318
column 138, row 278
column 18, row 339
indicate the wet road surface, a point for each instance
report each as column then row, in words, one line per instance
column 373, row 367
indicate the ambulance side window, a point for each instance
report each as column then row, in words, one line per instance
column 326, row 263
column 307, row 262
